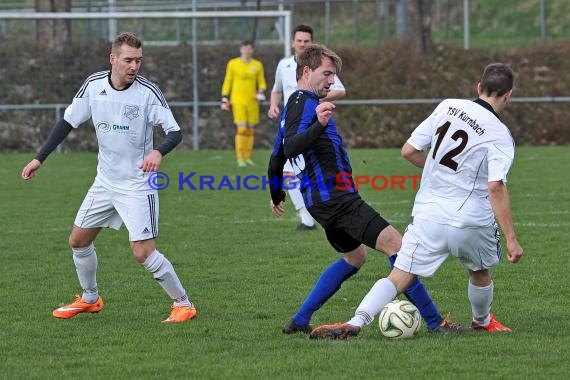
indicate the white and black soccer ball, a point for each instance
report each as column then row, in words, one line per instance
column 399, row 319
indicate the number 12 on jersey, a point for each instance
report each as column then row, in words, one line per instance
column 447, row 159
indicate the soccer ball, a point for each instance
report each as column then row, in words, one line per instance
column 399, row 319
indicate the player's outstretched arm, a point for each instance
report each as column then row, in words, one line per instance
column 56, row 136
column 499, row 197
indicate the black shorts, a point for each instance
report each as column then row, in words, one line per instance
column 348, row 222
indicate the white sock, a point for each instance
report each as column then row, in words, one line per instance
column 481, row 299
column 85, row 259
column 381, row 293
column 299, row 203
column 306, row 218
column 164, row 273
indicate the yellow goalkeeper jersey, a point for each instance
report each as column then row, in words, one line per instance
column 243, row 80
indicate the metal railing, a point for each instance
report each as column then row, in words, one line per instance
column 58, row 108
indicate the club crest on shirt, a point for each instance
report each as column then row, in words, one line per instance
column 131, row 112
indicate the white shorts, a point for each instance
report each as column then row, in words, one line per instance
column 104, row 208
column 426, row 245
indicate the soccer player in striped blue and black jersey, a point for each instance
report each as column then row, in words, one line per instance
column 308, row 136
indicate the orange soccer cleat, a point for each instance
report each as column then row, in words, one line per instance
column 179, row 314
column 494, row 326
column 340, row 331
column 78, row 306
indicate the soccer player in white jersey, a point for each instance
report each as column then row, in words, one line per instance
column 124, row 108
column 285, row 84
column 463, row 190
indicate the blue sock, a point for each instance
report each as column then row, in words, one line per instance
column 326, row 286
column 418, row 295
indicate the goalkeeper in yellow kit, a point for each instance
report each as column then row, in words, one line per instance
column 243, row 89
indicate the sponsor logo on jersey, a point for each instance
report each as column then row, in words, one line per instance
column 123, row 129
column 131, row 112
column 103, row 92
column 103, row 127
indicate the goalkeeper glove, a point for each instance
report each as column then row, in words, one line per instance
column 225, row 105
column 260, row 96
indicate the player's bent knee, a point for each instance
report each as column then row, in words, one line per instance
column 75, row 242
column 389, row 240
column 142, row 249
column 82, row 237
column 356, row 258
column 480, row 278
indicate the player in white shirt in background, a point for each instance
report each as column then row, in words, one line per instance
column 463, row 190
column 124, row 108
column 285, row 84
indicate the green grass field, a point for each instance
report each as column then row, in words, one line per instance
column 248, row 272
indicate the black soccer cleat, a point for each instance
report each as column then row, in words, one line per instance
column 290, row 327
column 449, row 327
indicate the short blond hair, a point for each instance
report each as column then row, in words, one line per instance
column 312, row 57
column 128, row 38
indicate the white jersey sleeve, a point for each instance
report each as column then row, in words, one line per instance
column 79, row 111
column 160, row 114
column 421, row 137
column 286, row 77
column 338, row 86
column 500, row 158
column 278, row 85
